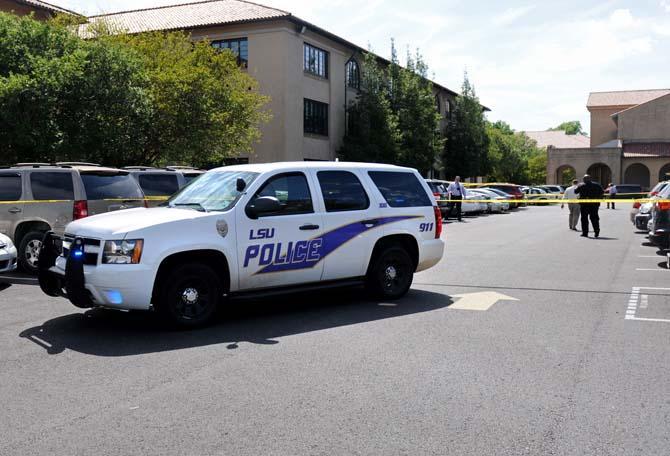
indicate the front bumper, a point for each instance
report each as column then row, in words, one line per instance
column 127, row 287
column 641, row 221
column 8, row 259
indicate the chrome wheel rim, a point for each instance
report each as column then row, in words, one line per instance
column 32, row 252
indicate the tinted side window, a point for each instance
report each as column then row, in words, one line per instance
column 292, row 191
column 52, row 186
column 342, row 191
column 10, row 187
column 159, row 184
column 400, row 189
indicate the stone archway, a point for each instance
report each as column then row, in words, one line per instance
column 565, row 174
column 637, row 173
column 664, row 173
column 600, row 173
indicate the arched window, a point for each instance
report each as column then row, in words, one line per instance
column 438, row 105
column 353, row 74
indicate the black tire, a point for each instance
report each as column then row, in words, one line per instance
column 391, row 274
column 191, row 294
column 29, row 251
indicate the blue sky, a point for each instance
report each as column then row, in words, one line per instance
column 532, row 63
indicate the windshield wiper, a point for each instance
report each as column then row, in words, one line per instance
column 200, row 207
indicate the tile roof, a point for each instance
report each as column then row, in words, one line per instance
column 558, row 139
column 189, row 15
column 46, row 6
column 646, row 150
column 624, row 98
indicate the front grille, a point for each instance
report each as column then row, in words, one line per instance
column 91, row 248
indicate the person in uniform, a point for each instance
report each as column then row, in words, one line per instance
column 456, row 194
column 589, row 190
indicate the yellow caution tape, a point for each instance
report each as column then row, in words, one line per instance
column 148, row 198
column 555, row 201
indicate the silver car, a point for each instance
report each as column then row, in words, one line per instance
column 41, row 197
column 7, row 254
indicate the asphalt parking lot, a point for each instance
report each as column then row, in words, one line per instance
column 525, row 339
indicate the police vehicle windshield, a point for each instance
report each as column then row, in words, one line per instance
column 213, row 191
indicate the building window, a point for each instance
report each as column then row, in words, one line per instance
column 239, row 46
column 438, row 106
column 315, row 61
column 448, row 107
column 316, row 117
column 353, row 75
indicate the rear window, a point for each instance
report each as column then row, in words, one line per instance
column 101, row 186
column 188, row 178
column 10, row 187
column 52, row 186
column 342, row 191
column 159, row 184
column 400, row 189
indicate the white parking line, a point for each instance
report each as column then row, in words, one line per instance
column 644, row 269
column 643, row 300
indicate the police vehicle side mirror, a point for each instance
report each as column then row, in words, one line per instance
column 262, row 206
column 241, row 184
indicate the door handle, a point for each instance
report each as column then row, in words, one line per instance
column 370, row 223
column 15, row 210
column 309, row 227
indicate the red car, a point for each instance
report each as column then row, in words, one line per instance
column 513, row 190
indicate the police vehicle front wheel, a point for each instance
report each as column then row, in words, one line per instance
column 191, row 295
column 391, row 274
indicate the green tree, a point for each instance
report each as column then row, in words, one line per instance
column 63, row 98
column 573, row 127
column 394, row 119
column 204, row 107
column 514, row 157
column 466, row 149
column 372, row 133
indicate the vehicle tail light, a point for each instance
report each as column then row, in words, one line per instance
column 436, row 195
column 636, row 205
column 664, row 205
column 438, row 222
column 653, row 193
column 80, row 210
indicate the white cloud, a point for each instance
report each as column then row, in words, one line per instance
column 512, row 14
column 665, row 4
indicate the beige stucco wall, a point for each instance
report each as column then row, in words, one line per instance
column 603, row 127
column 581, row 160
column 276, row 62
column 654, row 166
column 646, row 122
column 23, row 10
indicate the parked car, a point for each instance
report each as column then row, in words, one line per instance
column 440, row 194
column 500, row 200
column 492, row 205
column 189, row 172
column 41, row 197
column 643, row 209
column 659, row 222
column 159, row 184
column 513, row 191
column 555, row 189
column 8, row 255
column 628, row 191
column 539, row 194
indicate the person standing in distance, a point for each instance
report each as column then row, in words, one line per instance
column 456, row 194
column 573, row 208
column 589, row 190
column 611, row 191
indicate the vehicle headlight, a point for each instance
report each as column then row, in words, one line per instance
column 128, row 251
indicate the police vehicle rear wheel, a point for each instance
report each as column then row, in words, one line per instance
column 191, row 296
column 392, row 274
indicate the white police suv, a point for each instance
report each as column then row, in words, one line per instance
column 251, row 229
